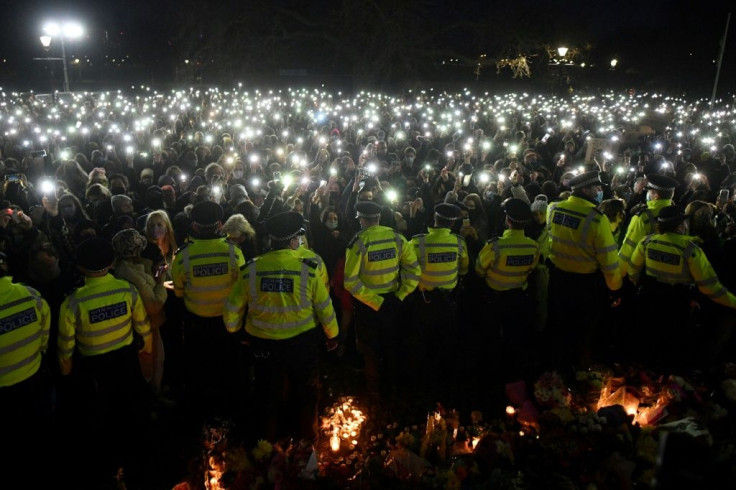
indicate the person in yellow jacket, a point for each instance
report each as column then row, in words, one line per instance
column 381, row 269
column 286, row 300
column 204, row 273
column 104, row 322
column 584, row 273
column 24, row 336
column 505, row 264
column 667, row 266
column 443, row 259
column 660, row 190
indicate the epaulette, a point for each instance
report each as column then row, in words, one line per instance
column 638, row 209
column 419, row 235
column 598, row 211
column 493, row 239
column 249, row 262
column 311, row 263
column 185, row 245
column 353, row 240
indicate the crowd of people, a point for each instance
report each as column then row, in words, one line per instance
column 206, row 247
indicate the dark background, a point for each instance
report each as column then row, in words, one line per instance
column 382, row 44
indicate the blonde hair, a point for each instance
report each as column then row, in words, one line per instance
column 168, row 244
column 238, row 224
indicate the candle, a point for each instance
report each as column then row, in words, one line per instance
column 510, row 410
column 335, row 443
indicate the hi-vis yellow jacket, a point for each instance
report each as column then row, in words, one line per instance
column 442, row 256
column 307, row 253
column 642, row 223
column 672, row 258
column 506, row 262
column 283, row 295
column 24, row 331
column 204, row 272
column 100, row 317
column 581, row 240
column 379, row 260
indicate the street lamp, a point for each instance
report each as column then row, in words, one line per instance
column 562, row 51
column 70, row 30
column 614, row 62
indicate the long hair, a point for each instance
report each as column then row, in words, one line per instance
column 168, row 244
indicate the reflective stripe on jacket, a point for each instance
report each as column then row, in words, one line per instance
column 379, row 260
column 442, row 256
column 284, row 297
column 506, row 262
column 672, row 258
column 640, row 226
column 204, row 273
column 100, row 317
column 581, row 240
column 25, row 319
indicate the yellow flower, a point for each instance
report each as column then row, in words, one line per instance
column 262, row 450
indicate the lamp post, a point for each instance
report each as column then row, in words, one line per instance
column 70, row 30
column 614, row 62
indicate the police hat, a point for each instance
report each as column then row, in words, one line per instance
column 661, row 182
column 367, row 209
column 285, row 226
column 672, row 214
column 206, row 213
column 585, row 179
column 447, row 211
column 517, row 210
column 95, row 254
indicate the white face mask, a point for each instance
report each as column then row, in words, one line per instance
column 238, row 174
column 331, row 225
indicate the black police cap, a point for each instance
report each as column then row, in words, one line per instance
column 206, row 213
column 447, row 211
column 95, row 254
column 671, row 214
column 517, row 210
column 661, row 182
column 368, row 209
column 285, row 226
column 584, row 180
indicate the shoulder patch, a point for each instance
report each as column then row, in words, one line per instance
column 354, row 239
column 638, row 209
column 311, row 263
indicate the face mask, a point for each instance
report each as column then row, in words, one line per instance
column 158, row 231
column 238, row 174
column 649, row 197
column 599, row 197
column 409, row 160
column 117, row 191
column 490, row 195
column 331, row 225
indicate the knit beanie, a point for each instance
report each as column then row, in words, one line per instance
column 540, row 204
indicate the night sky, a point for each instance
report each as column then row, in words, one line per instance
column 659, row 43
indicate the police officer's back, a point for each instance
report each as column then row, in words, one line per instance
column 584, row 269
column 286, row 299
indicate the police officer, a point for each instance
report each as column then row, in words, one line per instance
column 584, row 269
column 286, row 299
column 672, row 265
column 100, row 321
column 505, row 264
column 24, row 397
column 660, row 190
column 381, row 269
column 204, row 273
column 443, row 258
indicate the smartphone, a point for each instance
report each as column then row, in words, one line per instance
column 545, row 138
column 161, row 269
column 723, row 196
column 277, row 176
column 466, row 180
column 38, row 154
column 14, row 177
